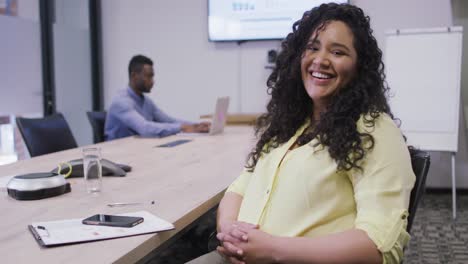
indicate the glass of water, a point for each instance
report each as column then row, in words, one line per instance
column 92, row 169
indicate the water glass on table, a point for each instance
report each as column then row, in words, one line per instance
column 92, row 169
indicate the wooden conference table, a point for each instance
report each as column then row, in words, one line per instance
column 185, row 181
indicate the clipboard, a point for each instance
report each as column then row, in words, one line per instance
column 72, row 231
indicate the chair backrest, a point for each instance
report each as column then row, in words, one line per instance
column 420, row 161
column 97, row 120
column 46, row 135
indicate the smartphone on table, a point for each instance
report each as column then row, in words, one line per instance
column 113, row 220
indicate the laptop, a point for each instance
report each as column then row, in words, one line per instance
column 218, row 120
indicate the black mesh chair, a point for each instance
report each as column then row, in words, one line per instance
column 420, row 161
column 97, row 120
column 46, row 135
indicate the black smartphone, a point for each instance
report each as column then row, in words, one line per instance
column 174, row 143
column 113, row 220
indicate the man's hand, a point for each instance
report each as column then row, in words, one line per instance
column 202, row 127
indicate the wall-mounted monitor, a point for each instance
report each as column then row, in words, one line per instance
column 237, row 20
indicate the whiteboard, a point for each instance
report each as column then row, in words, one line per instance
column 423, row 68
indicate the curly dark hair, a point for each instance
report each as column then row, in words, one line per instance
column 290, row 105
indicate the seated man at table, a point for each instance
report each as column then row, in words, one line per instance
column 133, row 113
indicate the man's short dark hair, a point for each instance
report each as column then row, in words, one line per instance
column 137, row 62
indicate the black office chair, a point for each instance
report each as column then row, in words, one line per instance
column 420, row 161
column 97, row 120
column 46, row 135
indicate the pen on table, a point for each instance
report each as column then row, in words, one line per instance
column 125, row 204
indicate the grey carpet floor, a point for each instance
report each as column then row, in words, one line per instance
column 436, row 237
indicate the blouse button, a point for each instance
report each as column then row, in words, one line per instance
column 268, row 191
column 403, row 217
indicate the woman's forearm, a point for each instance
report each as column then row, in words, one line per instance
column 352, row 246
column 228, row 209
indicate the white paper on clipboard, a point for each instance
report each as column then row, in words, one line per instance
column 55, row 233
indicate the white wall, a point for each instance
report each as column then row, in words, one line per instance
column 191, row 71
column 29, row 9
column 72, row 13
column 20, row 67
column 72, row 62
column 395, row 14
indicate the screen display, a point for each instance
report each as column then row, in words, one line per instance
column 233, row 20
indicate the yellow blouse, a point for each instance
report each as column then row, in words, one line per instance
column 304, row 195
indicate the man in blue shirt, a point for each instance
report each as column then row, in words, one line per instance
column 133, row 113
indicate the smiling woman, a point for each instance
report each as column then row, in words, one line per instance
column 330, row 177
column 328, row 63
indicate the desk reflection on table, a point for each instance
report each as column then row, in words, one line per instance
column 185, row 181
